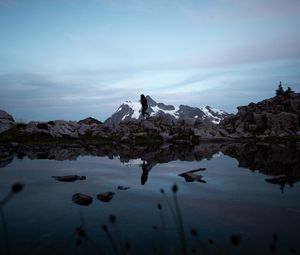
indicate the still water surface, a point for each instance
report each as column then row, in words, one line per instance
column 232, row 200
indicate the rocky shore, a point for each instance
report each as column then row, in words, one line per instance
column 277, row 117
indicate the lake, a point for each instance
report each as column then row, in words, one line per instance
column 245, row 199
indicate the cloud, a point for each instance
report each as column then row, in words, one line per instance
column 8, row 3
column 227, row 11
column 23, row 94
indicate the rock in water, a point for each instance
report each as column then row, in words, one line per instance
column 106, row 196
column 191, row 177
column 123, row 188
column 82, row 199
column 69, row 178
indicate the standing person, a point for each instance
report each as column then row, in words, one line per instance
column 144, row 103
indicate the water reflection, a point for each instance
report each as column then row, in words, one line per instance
column 280, row 161
column 146, row 167
column 233, row 206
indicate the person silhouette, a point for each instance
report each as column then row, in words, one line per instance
column 144, row 103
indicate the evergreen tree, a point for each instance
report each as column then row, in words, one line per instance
column 280, row 91
column 289, row 91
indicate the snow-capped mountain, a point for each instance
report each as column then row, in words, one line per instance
column 132, row 110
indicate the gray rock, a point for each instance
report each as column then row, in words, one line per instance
column 6, row 121
column 165, row 136
column 149, row 126
column 82, row 199
column 5, row 116
column 106, row 196
column 277, row 116
column 189, row 122
column 190, row 176
column 69, row 178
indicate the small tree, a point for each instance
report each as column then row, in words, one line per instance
column 289, row 91
column 280, row 91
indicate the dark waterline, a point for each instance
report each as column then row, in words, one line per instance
column 234, row 201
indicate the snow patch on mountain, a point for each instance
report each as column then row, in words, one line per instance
column 132, row 110
column 135, row 106
column 156, row 109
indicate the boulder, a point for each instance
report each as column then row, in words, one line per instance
column 6, row 121
column 106, row 196
column 189, row 122
column 190, row 176
column 123, row 188
column 90, row 121
column 69, row 178
column 82, row 199
column 277, row 116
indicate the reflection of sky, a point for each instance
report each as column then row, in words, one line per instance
column 59, row 54
column 234, row 200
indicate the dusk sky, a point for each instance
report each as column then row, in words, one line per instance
column 70, row 59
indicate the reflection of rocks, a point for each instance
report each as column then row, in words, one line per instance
column 82, row 199
column 190, row 176
column 279, row 160
column 6, row 157
column 282, row 180
column 69, row 178
column 106, row 196
column 155, row 154
column 270, row 159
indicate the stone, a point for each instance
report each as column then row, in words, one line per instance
column 123, row 188
column 69, row 178
column 189, row 122
column 90, row 121
column 190, row 176
column 165, row 136
column 106, row 196
column 277, row 116
column 82, row 199
column 6, row 116
column 6, row 121
column 252, row 127
column 149, row 126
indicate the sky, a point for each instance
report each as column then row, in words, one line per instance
column 70, row 59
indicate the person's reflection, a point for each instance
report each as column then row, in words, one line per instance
column 146, row 167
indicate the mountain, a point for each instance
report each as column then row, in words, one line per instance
column 131, row 110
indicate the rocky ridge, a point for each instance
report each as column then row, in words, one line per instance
column 275, row 117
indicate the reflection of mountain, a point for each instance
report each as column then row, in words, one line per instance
column 279, row 160
column 155, row 154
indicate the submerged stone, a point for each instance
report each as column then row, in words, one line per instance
column 190, row 176
column 82, row 199
column 106, row 196
column 123, row 188
column 69, row 178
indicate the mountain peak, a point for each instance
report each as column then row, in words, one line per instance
column 132, row 110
